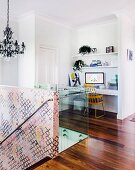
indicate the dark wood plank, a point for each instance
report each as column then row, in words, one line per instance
column 111, row 146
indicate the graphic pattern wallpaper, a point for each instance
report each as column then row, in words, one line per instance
column 37, row 138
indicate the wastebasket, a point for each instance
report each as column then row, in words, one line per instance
column 79, row 104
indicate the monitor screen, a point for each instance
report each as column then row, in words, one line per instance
column 94, row 78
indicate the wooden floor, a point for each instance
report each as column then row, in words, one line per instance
column 111, row 146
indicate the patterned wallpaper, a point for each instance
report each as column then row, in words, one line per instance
column 38, row 137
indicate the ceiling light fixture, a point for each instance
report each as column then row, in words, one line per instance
column 8, row 47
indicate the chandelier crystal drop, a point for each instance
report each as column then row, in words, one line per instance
column 9, row 47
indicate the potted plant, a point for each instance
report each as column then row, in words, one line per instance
column 78, row 65
column 84, row 50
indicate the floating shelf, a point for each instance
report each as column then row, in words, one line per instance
column 96, row 54
column 100, row 67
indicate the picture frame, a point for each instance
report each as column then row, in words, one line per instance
column 110, row 49
column 130, row 55
column 74, row 79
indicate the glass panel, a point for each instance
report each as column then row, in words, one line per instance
column 73, row 116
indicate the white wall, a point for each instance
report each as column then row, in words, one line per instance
column 57, row 36
column 9, row 68
column 37, row 32
column 26, row 63
column 126, row 68
column 99, row 35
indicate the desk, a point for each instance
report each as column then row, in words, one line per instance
column 69, row 94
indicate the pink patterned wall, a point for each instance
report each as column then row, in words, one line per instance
column 38, row 137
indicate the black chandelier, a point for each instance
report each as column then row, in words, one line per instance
column 9, row 47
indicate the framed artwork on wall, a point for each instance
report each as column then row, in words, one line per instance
column 130, row 55
column 74, row 79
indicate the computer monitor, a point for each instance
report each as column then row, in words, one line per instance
column 94, row 78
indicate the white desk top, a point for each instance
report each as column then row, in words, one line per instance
column 108, row 92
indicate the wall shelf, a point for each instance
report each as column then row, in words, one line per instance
column 100, row 67
column 96, row 54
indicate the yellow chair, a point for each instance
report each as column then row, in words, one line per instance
column 93, row 98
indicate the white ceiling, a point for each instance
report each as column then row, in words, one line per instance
column 71, row 12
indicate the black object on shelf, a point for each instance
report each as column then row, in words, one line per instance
column 84, row 50
column 94, row 50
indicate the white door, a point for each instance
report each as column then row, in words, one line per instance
column 47, row 67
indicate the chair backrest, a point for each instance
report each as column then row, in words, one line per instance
column 90, row 88
column 92, row 96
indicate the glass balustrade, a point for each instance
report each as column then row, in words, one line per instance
column 73, row 115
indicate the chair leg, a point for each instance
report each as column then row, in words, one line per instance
column 100, row 115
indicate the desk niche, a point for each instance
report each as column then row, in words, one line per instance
column 110, row 70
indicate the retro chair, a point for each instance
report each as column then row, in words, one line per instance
column 92, row 98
